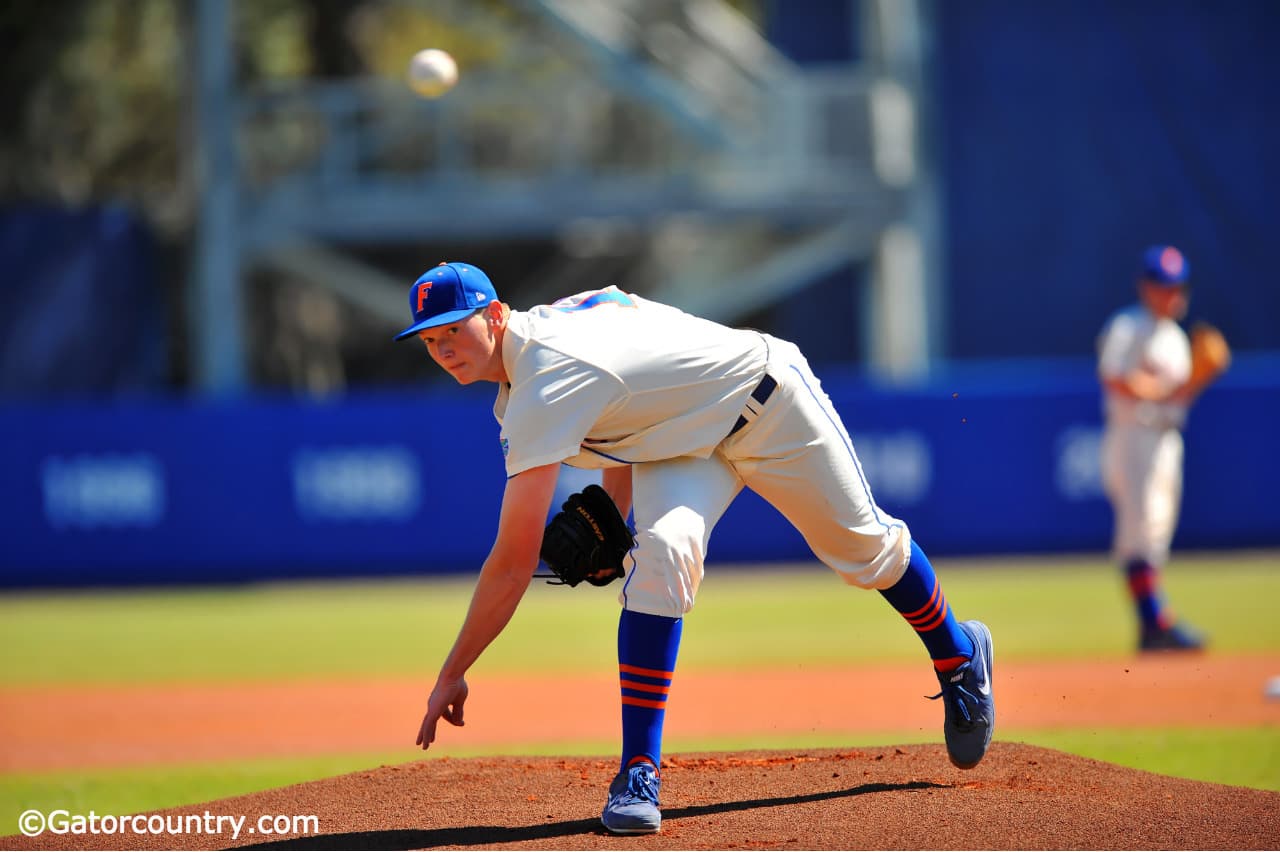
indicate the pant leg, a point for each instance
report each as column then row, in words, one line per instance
column 798, row 456
column 1142, row 474
column 676, row 504
column 1122, row 487
column 1164, row 494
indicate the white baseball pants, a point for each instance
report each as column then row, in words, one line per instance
column 795, row 454
column 1142, row 475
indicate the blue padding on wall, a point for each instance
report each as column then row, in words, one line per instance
column 80, row 307
column 997, row 458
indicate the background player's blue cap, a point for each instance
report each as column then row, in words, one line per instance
column 448, row 293
column 1165, row 265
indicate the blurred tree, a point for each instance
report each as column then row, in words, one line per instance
column 92, row 104
column 30, row 37
column 333, row 53
column 94, row 99
column 95, row 106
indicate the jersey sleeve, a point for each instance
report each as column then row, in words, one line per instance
column 1115, row 348
column 551, row 412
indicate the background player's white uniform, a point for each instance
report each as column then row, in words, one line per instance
column 1142, row 443
column 606, row 378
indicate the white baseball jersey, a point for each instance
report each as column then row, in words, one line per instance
column 1142, row 445
column 1132, row 340
column 605, row 378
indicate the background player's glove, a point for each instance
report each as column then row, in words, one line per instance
column 587, row 540
column 1210, row 355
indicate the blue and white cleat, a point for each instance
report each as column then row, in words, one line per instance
column 633, row 801
column 966, row 694
column 1176, row 637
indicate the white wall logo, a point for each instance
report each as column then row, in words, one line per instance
column 108, row 490
column 898, row 465
column 356, row 484
column 1078, row 463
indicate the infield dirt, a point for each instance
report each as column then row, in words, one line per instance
column 1020, row 797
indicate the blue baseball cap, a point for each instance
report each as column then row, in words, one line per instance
column 445, row 294
column 1165, row 265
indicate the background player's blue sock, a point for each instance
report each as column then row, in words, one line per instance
column 647, row 648
column 1144, row 588
column 918, row 597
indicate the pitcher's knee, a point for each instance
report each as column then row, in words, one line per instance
column 668, row 566
column 873, row 562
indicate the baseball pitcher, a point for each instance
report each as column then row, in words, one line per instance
column 679, row 414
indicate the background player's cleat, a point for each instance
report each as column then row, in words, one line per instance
column 970, row 708
column 633, row 801
column 1177, row 637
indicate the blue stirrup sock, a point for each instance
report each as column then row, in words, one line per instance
column 1144, row 588
column 918, row 597
column 647, row 649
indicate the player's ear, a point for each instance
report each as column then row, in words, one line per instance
column 495, row 312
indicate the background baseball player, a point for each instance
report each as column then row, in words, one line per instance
column 680, row 414
column 1149, row 380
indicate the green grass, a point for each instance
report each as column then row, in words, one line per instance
column 1040, row 609
column 1245, row 757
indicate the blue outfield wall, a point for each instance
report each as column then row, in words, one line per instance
column 987, row 459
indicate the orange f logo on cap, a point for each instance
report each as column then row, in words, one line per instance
column 423, row 289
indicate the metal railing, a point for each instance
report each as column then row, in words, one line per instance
column 647, row 112
column 366, row 160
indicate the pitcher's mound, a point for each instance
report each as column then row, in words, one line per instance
column 906, row 797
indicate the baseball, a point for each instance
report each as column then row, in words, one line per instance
column 432, row 72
